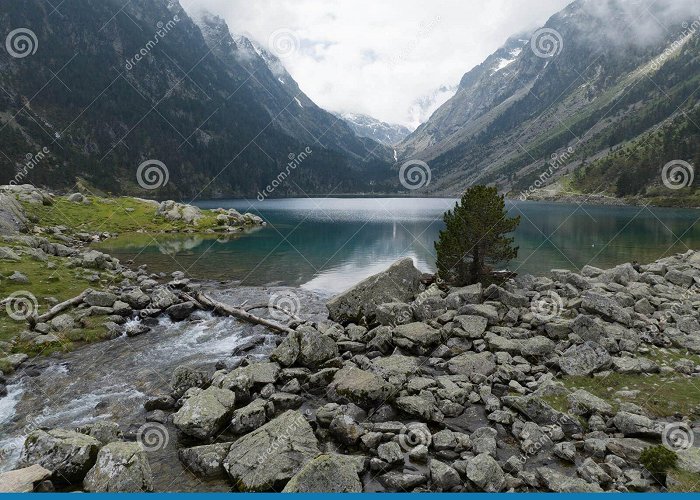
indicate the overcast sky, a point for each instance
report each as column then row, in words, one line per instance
column 387, row 59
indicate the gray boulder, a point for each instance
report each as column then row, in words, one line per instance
column 100, row 299
column 606, row 307
column 267, row 458
column 346, row 430
column 23, row 480
column 249, row 417
column 185, row 377
column 471, row 327
column 359, row 386
column 416, row 337
column 326, row 474
column 206, row 460
column 399, row 283
column 584, row 359
column 120, row 467
column 631, row 424
column 485, row 473
column 68, row 454
column 204, row 412
column 443, row 476
column 104, row 431
column 315, row 349
column 394, row 313
column 560, row 483
column 9, row 254
column 535, row 409
column 634, row 365
column 483, row 363
column 584, row 403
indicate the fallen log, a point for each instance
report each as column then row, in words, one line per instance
column 272, row 306
column 58, row 309
column 206, row 302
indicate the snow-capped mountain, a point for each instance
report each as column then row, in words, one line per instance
column 598, row 74
column 366, row 126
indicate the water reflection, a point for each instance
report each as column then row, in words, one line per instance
column 329, row 244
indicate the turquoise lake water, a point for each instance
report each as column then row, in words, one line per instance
column 328, row 244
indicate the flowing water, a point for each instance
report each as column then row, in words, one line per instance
column 111, row 380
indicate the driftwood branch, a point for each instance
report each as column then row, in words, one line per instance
column 206, row 302
column 272, row 306
column 58, row 309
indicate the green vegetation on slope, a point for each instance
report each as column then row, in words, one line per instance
column 112, row 215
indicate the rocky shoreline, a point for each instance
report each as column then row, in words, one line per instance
column 408, row 388
column 117, row 294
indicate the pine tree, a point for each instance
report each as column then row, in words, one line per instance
column 474, row 237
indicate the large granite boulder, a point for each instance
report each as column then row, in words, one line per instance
column 120, row 467
column 537, row 410
column 399, row 283
column 205, row 460
column 469, row 363
column 561, row 483
column 267, row 458
column 23, row 480
column 485, row 473
column 326, row 474
column 68, row 454
column 204, row 411
column 416, row 337
column 606, row 307
column 584, row 359
column 305, row 347
column 361, row 387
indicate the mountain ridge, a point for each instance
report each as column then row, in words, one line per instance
column 599, row 88
column 113, row 86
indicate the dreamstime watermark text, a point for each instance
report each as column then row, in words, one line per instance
column 161, row 32
column 294, row 161
column 32, row 160
column 557, row 161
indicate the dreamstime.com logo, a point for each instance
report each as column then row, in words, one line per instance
column 546, row 307
column 283, row 42
column 21, row 305
column 677, row 174
column 415, row 174
column 415, row 434
column 546, row 43
column 677, row 436
column 152, row 174
column 284, row 305
column 152, row 436
column 21, row 43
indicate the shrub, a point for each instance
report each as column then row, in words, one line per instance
column 658, row 459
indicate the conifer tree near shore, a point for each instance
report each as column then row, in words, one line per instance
column 474, row 238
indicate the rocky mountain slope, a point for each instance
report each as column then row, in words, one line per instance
column 105, row 86
column 597, row 75
column 366, row 126
column 280, row 95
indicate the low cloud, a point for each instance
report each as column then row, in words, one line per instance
column 396, row 61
